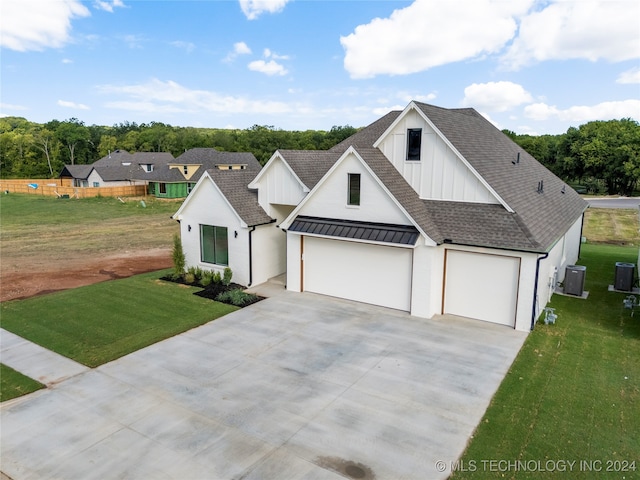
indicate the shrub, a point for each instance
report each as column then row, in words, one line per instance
column 189, row 277
column 236, row 297
column 217, row 279
column 206, row 279
column 178, row 257
column 226, row 278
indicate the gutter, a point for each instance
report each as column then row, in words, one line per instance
column 535, row 290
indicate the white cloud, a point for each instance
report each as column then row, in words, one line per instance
column 133, row 41
column 429, row 33
column 187, row 46
column 74, row 105
column 495, row 96
column 9, row 106
column 239, row 48
column 254, row 8
column 589, row 29
column 67, row 61
column 36, row 25
column 268, row 68
column 169, row 96
column 108, row 6
column 269, row 54
column 582, row 113
column 630, row 76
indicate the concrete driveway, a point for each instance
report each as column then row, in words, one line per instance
column 296, row 386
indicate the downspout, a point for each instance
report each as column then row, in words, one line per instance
column 535, row 290
column 253, row 228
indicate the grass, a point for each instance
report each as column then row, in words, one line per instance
column 573, row 392
column 13, row 384
column 99, row 323
column 71, row 227
column 613, row 226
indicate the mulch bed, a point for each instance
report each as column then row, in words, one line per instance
column 212, row 290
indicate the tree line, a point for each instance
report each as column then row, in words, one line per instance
column 602, row 156
column 32, row 150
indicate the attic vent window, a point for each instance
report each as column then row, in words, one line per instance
column 231, row 166
column 414, row 143
column 148, row 168
column 185, row 169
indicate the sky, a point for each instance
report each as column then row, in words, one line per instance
column 530, row 66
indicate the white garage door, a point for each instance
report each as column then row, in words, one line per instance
column 363, row 272
column 482, row 286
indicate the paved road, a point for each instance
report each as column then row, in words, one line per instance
column 609, row 202
column 298, row 386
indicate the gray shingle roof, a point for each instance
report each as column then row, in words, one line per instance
column 76, row 171
column 368, row 135
column 538, row 221
column 207, row 158
column 310, row 165
column 233, row 185
column 548, row 215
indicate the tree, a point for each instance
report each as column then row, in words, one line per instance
column 71, row 133
column 44, row 139
column 107, row 144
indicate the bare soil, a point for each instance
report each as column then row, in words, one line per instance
column 25, row 277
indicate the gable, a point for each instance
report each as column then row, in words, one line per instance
column 330, row 200
column 277, row 184
column 206, row 203
column 441, row 173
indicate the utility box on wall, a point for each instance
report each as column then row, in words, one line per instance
column 574, row 280
column 624, row 276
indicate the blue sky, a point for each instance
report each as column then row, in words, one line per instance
column 528, row 65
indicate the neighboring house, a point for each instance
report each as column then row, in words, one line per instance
column 427, row 210
column 221, row 221
column 179, row 176
column 118, row 168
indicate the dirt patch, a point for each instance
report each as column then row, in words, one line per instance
column 30, row 276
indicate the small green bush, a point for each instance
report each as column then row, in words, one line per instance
column 206, row 280
column 217, row 279
column 236, row 297
column 189, row 277
column 178, row 256
column 226, row 278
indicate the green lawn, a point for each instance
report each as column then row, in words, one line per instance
column 101, row 322
column 19, row 210
column 13, row 384
column 573, row 393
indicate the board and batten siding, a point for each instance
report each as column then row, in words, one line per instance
column 330, row 201
column 439, row 174
column 278, row 186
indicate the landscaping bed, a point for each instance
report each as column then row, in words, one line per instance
column 215, row 289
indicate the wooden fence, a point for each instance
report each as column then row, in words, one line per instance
column 62, row 187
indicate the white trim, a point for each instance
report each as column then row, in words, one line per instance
column 178, row 214
column 286, row 223
column 255, row 183
column 413, row 106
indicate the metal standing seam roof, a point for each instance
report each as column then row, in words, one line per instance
column 373, row 232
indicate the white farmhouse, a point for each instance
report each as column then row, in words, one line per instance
column 427, row 210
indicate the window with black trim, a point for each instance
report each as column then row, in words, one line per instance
column 353, row 195
column 414, row 142
column 214, row 245
column 162, row 188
